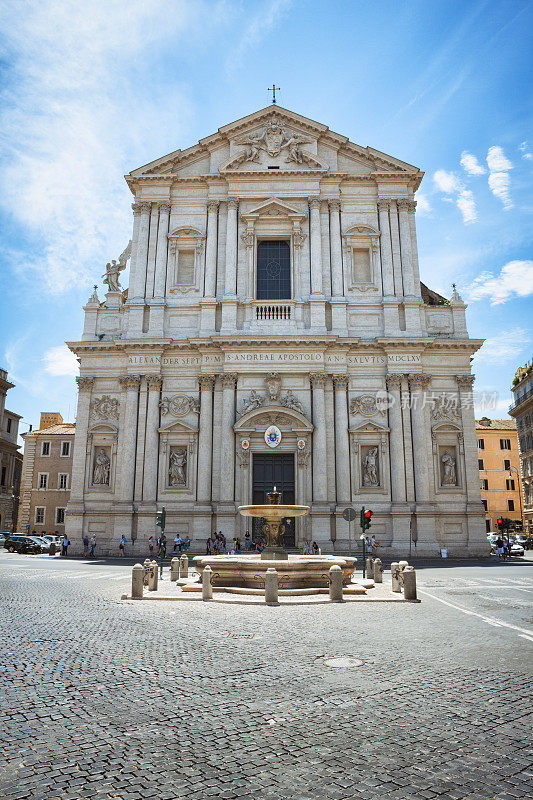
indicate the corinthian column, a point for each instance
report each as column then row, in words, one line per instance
column 227, row 455
column 342, row 446
column 211, row 250
column 405, row 242
column 151, row 447
column 231, row 249
column 142, row 252
column 420, row 431
column 316, row 248
column 205, row 437
column 465, row 383
column 397, row 463
column 387, row 272
column 326, row 255
column 337, row 283
column 161, row 257
column 77, row 483
column 129, row 437
column 319, row 438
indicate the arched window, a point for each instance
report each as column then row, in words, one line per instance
column 273, row 270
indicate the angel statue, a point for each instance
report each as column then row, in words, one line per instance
column 113, row 270
column 293, row 148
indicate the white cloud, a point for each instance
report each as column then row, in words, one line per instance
column 499, row 181
column 471, row 165
column 60, row 361
column 515, row 280
column 423, row 207
column 490, row 404
column 467, row 206
column 503, row 348
column 449, row 183
column 261, row 23
column 523, row 147
column 77, row 114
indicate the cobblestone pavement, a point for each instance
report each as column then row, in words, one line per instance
column 115, row 699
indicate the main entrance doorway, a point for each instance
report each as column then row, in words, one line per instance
column 269, row 470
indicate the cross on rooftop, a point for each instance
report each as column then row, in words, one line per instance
column 274, row 89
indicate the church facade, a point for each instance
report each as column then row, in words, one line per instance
column 275, row 331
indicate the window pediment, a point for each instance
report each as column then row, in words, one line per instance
column 273, row 208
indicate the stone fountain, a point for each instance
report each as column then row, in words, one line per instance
column 294, row 571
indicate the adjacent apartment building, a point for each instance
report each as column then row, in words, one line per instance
column 522, row 412
column 46, row 476
column 499, row 470
column 10, row 459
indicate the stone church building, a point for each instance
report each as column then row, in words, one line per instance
column 275, row 331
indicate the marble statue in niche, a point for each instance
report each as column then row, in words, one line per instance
column 370, row 468
column 102, row 468
column 177, row 467
column 448, row 471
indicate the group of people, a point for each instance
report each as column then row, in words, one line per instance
column 503, row 548
column 310, row 549
column 89, row 545
column 217, row 545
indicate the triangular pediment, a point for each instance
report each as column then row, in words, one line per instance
column 253, row 144
column 273, row 208
column 178, row 426
column 369, row 426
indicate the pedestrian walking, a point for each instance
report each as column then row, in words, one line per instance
column 373, row 545
column 64, row 546
column 85, row 546
column 93, row 545
column 122, row 545
column 151, row 545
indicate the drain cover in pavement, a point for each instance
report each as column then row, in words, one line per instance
column 343, row 662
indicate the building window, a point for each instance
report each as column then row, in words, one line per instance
column 506, row 465
column 505, row 444
column 4, row 475
column 9, row 421
column 273, row 271
column 65, row 448
column 481, row 444
column 484, row 484
column 185, row 271
column 45, row 448
column 484, row 504
column 62, row 480
column 60, row 516
column 487, row 525
column 510, row 505
column 480, row 464
column 42, row 480
column 509, row 484
column 39, row 515
column 361, row 265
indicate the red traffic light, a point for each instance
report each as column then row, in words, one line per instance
column 369, row 514
column 499, row 521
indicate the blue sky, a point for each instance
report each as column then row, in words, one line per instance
column 92, row 90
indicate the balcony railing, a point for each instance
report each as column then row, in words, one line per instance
column 274, row 312
column 521, row 399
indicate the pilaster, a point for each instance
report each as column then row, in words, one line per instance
column 151, row 464
column 318, row 381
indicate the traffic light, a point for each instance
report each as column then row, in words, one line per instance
column 365, row 519
column 500, row 524
column 161, row 519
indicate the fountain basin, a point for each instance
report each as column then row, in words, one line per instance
column 294, row 572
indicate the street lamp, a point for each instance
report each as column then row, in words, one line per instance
column 511, row 470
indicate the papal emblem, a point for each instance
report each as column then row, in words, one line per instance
column 272, row 436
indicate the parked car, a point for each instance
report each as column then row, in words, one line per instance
column 51, row 537
column 17, row 543
column 3, row 536
column 43, row 541
column 517, row 550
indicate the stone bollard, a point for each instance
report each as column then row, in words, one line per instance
column 402, row 565
column 395, row 576
column 137, row 575
column 378, row 571
column 146, row 574
column 184, row 567
column 335, row 584
column 154, row 577
column 207, row 588
column 174, row 569
column 409, row 583
column 271, row 587
column 369, row 566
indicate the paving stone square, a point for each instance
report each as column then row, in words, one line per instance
column 121, row 700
